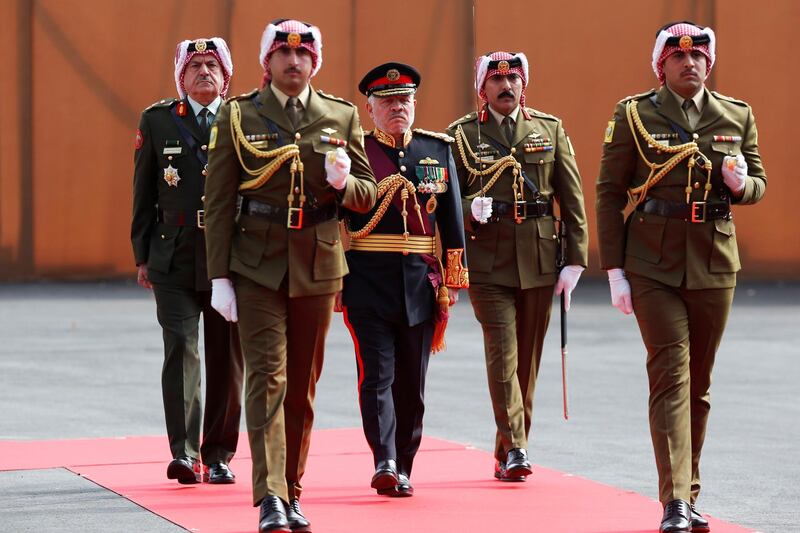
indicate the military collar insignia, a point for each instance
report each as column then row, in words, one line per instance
column 171, row 176
column 388, row 140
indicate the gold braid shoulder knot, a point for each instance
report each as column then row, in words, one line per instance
column 657, row 171
column 387, row 188
column 277, row 157
column 496, row 169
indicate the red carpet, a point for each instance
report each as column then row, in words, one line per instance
column 337, row 497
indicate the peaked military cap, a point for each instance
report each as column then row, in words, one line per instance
column 390, row 79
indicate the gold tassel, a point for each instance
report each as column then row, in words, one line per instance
column 443, row 301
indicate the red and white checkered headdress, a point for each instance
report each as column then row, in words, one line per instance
column 683, row 36
column 501, row 64
column 288, row 33
column 215, row 46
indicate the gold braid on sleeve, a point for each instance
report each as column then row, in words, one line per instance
column 658, row 170
column 387, row 188
column 496, row 169
column 276, row 157
column 456, row 275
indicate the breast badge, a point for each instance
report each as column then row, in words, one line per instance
column 171, row 176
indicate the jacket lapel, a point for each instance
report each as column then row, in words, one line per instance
column 190, row 121
column 271, row 109
column 711, row 111
column 523, row 129
column 317, row 108
column 492, row 129
column 669, row 108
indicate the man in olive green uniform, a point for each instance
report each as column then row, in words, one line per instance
column 513, row 163
column 294, row 155
column 169, row 247
column 681, row 155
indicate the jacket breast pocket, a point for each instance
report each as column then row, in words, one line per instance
column 482, row 246
column 162, row 248
column 329, row 261
column 250, row 240
column 645, row 237
column 548, row 243
column 724, row 251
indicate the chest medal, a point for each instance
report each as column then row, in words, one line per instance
column 171, row 176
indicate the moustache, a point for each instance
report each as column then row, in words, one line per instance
column 506, row 93
column 292, row 70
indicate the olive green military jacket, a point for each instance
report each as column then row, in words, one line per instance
column 168, row 176
column 675, row 251
column 264, row 250
column 522, row 255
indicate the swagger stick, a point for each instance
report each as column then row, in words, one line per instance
column 477, row 99
column 562, row 260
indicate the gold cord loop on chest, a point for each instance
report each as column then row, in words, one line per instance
column 496, row 169
column 387, row 188
column 658, row 170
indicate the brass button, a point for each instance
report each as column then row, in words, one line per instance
column 513, row 150
column 204, row 172
column 555, row 236
column 641, row 219
column 297, row 136
column 335, row 241
column 695, row 136
column 696, row 184
column 472, row 237
column 163, row 236
column 203, row 198
column 204, row 147
column 401, row 154
column 169, row 158
column 243, row 230
column 541, row 161
column 402, row 168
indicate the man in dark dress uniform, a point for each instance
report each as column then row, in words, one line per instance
column 681, row 155
column 170, row 251
column 397, row 293
column 295, row 156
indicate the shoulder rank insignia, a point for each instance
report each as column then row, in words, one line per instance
column 466, row 118
column 171, row 176
column 243, row 95
column 161, row 103
column 609, row 132
column 212, row 138
column 729, row 99
column 435, row 134
column 335, row 98
column 639, row 96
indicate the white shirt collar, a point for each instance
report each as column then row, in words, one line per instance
column 212, row 107
column 283, row 97
column 699, row 98
column 499, row 118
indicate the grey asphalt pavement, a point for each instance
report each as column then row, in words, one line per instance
column 81, row 360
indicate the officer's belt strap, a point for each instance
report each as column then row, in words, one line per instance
column 279, row 214
column 682, row 210
column 523, row 210
column 389, row 242
column 172, row 217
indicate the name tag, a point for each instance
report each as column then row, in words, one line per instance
column 172, row 150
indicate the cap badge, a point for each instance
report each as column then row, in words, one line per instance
column 503, row 67
column 393, row 74
column 200, row 45
column 686, row 42
column 293, row 40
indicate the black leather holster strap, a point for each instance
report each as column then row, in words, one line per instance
column 530, row 209
column 694, row 212
column 173, row 217
column 279, row 214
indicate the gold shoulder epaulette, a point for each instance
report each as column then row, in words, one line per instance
column 435, row 134
column 463, row 120
column 242, row 96
column 730, row 99
column 161, row 103
column 640, row 96
column 541, row 114
column 334, row 98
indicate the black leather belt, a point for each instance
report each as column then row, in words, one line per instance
column 294, row 217
column 181, row 218
column 520, row 210
column 695, row 212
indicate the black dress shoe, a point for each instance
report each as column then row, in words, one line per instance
column 699, row 523
column 403, row 489
column 385, row 476
column 220, row 474
column 517, row 463
column 272, row 516
column 187, row 470
column 676, row 518
column 297, row 522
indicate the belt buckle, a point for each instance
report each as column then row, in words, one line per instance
column 520, row 211
column 698, row 212
column 294, row 218
column 201, row 218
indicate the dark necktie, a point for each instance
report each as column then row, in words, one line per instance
column 508, row 129
column 688, row 106
column 294, row 110
column 204, row 115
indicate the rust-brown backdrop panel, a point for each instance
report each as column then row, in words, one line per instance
column 79, row 72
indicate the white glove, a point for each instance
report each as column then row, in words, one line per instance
column 223, row 299
column 481, row 208
column 337, row 167
column 567, row 281
column 620, row 290
column 734, row 173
